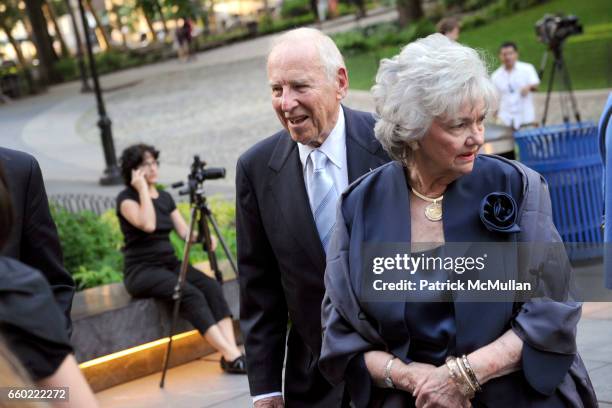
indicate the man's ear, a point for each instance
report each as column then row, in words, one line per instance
column 342, row 82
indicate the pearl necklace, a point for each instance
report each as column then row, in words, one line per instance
column 433, row 211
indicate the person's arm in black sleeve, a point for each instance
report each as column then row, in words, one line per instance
column 263, row 309
column 40, row 245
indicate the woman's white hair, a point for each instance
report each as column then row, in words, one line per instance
column 329, row 55
column 433, row 77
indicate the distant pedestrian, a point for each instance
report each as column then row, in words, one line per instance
column 450, row 27
column 184, row 38
column 515, row 81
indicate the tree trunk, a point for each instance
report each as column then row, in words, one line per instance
column 409, row 11
column 50, row 14
column 100, row 32
column 150, row 25
column 44, row 46
column 163, row 19
column 14, row 44
column 315, row 9
column 119, row 23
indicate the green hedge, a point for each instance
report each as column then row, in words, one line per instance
column 92, row 244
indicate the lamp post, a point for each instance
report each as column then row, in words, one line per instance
column 112, row 175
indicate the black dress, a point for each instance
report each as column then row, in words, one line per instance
column 152, row 268
column 31, row 323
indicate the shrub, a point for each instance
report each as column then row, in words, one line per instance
column 91, row 246
column 225, row 214
column 295, row 8
column 66, row 68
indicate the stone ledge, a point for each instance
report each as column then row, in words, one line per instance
column 117, row 338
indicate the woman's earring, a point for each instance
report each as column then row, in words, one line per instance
column 414, row 145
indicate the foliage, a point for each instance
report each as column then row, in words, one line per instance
column 286, row 24
column 382, row 35
column 92, row 243
column 67, row 68
column 495, row 10
column 91, row 246
column 225, row 215
column 184, row 8
column 295, row 8
column 9, row 14
column 587, row 55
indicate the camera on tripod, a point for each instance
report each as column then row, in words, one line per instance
column 552, row 30
column 200, row 173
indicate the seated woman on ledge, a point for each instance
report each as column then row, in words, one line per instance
column 441, row 351
column 147, row 216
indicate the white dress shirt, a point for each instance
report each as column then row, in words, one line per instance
column 334, row 148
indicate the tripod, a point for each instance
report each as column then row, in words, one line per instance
column 567, row 94
column 200, row 213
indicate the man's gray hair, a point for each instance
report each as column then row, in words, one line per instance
column 433, row 77
column 330, row 56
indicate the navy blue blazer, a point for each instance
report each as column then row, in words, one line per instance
column 376, row 209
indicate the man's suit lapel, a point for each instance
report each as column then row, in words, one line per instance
column 290, row 193
column 363, row 153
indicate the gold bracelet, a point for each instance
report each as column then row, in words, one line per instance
column 471, row 374
column 462, row 384
column 465, row 375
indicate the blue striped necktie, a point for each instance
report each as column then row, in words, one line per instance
column 323, row 197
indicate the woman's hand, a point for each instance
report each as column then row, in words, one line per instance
column 438, row 390
column 138, row 180
column 411, row 375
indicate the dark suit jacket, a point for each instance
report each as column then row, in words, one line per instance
column 34, row 240
column 281, row 262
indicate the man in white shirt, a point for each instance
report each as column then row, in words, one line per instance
column 287, row 187
column 515, row 81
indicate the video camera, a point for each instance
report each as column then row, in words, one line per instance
column 552, row 30
column 200, row 173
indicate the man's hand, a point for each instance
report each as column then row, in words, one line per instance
column 270, row 402
column 525, row 90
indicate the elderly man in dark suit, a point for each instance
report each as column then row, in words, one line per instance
column 287, row 187
column 34, row 240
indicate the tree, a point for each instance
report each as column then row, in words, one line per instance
column 42, row 41
column 409, row 11
column 148, row 8
column 50, row 15
column 100, row 31
column 9, row 16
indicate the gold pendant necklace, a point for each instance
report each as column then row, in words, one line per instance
column 433, row 211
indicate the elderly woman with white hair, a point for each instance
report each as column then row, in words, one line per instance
column 432, row 100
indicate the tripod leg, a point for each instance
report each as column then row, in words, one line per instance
column 568, row 86
column 228, row 253
column 212, row 257
column 562, row 96
column 551, row 82
column 177, row 293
